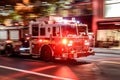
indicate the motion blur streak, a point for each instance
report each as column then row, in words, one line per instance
column 35, row 73
column 111, row 62
column 43, row 68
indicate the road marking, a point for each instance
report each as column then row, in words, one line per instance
column 35, row 73
column 111, row 62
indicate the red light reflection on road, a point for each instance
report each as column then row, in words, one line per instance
column 66, row 73
column 34, row 70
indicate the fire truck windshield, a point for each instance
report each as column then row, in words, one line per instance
column 68, row 30
column 82, row 29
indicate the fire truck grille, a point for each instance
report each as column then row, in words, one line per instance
column 78, row 47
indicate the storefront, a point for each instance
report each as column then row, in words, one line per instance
column 108, row 34
column 106, row 23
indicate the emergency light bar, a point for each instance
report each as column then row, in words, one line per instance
column 61, row 20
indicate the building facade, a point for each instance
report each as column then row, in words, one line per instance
column 81, row 10
column 106, row 23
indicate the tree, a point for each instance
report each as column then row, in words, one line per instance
column 49, row 7
column 49, row 1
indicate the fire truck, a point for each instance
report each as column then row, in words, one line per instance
column 11, row 39
column 47, row 39
column 58, row 39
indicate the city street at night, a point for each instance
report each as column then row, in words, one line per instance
column 102, row 66
column 59, row 40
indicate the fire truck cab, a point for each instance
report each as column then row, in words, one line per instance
column 11, row 39
column 62, row 39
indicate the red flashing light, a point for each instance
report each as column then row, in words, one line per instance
column 67, row 42
column 64, row 41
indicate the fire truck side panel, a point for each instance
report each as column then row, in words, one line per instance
column 55, row 46
column 45, row 33
column 10, row 39
column 35, row 47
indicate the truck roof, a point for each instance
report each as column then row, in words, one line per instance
column 13, row 27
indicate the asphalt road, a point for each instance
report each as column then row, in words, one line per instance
column 97, row 67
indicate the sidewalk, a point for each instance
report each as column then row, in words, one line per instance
column 107, row 50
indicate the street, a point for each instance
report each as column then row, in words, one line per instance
column 98, row 67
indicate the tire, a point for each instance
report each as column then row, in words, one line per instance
column 46, row 53
column 9, row 51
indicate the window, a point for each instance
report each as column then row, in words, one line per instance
column 112, row 8
column 42, row 31
column 54, row 31
column 3, row 35
column 35, row 30
column 82, row 29
column 68, row 30
column 14, row 34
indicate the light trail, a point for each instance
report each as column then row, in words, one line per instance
column 111, row 62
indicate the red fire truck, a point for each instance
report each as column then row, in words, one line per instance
column 11, row 39
column 58, row 39
column 49, row 39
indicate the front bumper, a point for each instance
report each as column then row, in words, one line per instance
column 73, row 54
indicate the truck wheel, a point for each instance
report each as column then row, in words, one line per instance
column 8, row 50
column 8, row 53
column 46, row 53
